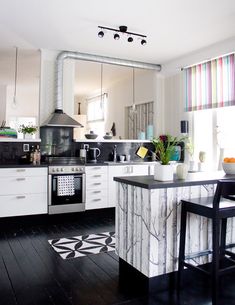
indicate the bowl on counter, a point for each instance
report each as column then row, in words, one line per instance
column 108, row 136
column 91, row 135
column 229, row 168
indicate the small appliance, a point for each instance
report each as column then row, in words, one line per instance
column 93, row 154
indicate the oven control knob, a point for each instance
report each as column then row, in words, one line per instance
column 53, row 170
column 61, row 169
column 77, row 169
column 72, row 169
column 57, row 169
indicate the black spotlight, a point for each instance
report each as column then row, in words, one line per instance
column 101, row 34
column 130, row 39
column 116, row 36
column 143, row 42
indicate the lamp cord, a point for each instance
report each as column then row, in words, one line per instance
column 133, row 89
column 101, row 83
column 16, row 67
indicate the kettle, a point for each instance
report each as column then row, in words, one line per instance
column 93, row 154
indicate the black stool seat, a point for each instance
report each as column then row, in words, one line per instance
column 218, row 208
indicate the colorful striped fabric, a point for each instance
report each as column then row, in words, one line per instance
column 210, row 84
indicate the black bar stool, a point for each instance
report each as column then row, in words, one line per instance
column 218, row 208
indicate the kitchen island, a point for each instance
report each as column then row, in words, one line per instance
column 148, row 221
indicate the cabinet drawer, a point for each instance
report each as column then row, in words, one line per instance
column 96, row 184
column 23, row 185
column 95, row 170
column 97, row 203
column 96, row 194
column 11, row 172
column 17, row 205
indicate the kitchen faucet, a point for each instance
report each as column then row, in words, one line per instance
column 115, row 153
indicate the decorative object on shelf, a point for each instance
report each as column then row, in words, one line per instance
column 108, row 136
column 28, row 130
column 91, row 135
column 141, row 135
column 122, row 30
column 202, row 159
column 79, row 108
column 7, row 132
column 164, row 149
column 113, row 129
column 150, row 132
column 189, row 147
column 182, row 171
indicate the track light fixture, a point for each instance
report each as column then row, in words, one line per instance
column 143, row 42
column 101, row 34
column 123, row 30
column 116, row 36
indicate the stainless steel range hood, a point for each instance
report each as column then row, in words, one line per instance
column 59, row 118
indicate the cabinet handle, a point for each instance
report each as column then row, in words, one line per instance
column 96, row 176
column 97, row 167
column 97, row 183
column 96, row 199
column 20, row 197
column 20, row 179
column 20, row 170
column 96, row 192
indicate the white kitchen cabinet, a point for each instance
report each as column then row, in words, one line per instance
column 122, row 170
column 96, row 187
column 23, row 191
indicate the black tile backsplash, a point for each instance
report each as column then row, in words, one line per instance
column 58, row 141
column 12, row 152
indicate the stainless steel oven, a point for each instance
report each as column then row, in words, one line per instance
column 66, row 185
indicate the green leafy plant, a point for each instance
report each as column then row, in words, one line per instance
column 28, row 129
column 165, row 147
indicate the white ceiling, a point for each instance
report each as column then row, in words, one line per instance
column 174, row 27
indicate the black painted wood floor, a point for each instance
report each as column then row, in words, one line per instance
column 32, row 273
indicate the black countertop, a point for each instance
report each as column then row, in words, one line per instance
column 198, row 178
column 17, row 165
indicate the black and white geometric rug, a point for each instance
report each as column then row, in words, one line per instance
column 83, row 245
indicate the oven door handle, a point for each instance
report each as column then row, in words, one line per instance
column 83, row 188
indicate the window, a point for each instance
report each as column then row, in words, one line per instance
column 209, row 87
column 140, row 124
column 213, row 131
column 96, row 114
column 96, row 108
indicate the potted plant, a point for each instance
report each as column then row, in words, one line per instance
column 28, row 130
column 164, row 148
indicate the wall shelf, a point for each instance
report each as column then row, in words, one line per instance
column 112, row 140
column 19, row 140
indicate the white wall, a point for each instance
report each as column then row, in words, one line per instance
column 3, row 96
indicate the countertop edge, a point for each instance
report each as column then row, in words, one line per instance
column 148, row 182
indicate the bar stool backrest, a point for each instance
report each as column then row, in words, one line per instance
column 225, row 189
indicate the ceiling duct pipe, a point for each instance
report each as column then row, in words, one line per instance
column 59, row 118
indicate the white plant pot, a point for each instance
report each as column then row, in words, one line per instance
column 163, row 172
column 28, row 136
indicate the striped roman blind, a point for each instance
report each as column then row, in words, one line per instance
column 210, row 84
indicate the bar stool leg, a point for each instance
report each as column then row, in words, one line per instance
column 223, row 237
column 215, row 259
column 182, row 243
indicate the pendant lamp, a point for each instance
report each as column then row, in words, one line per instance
column 133, row 107
column 16, row 75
